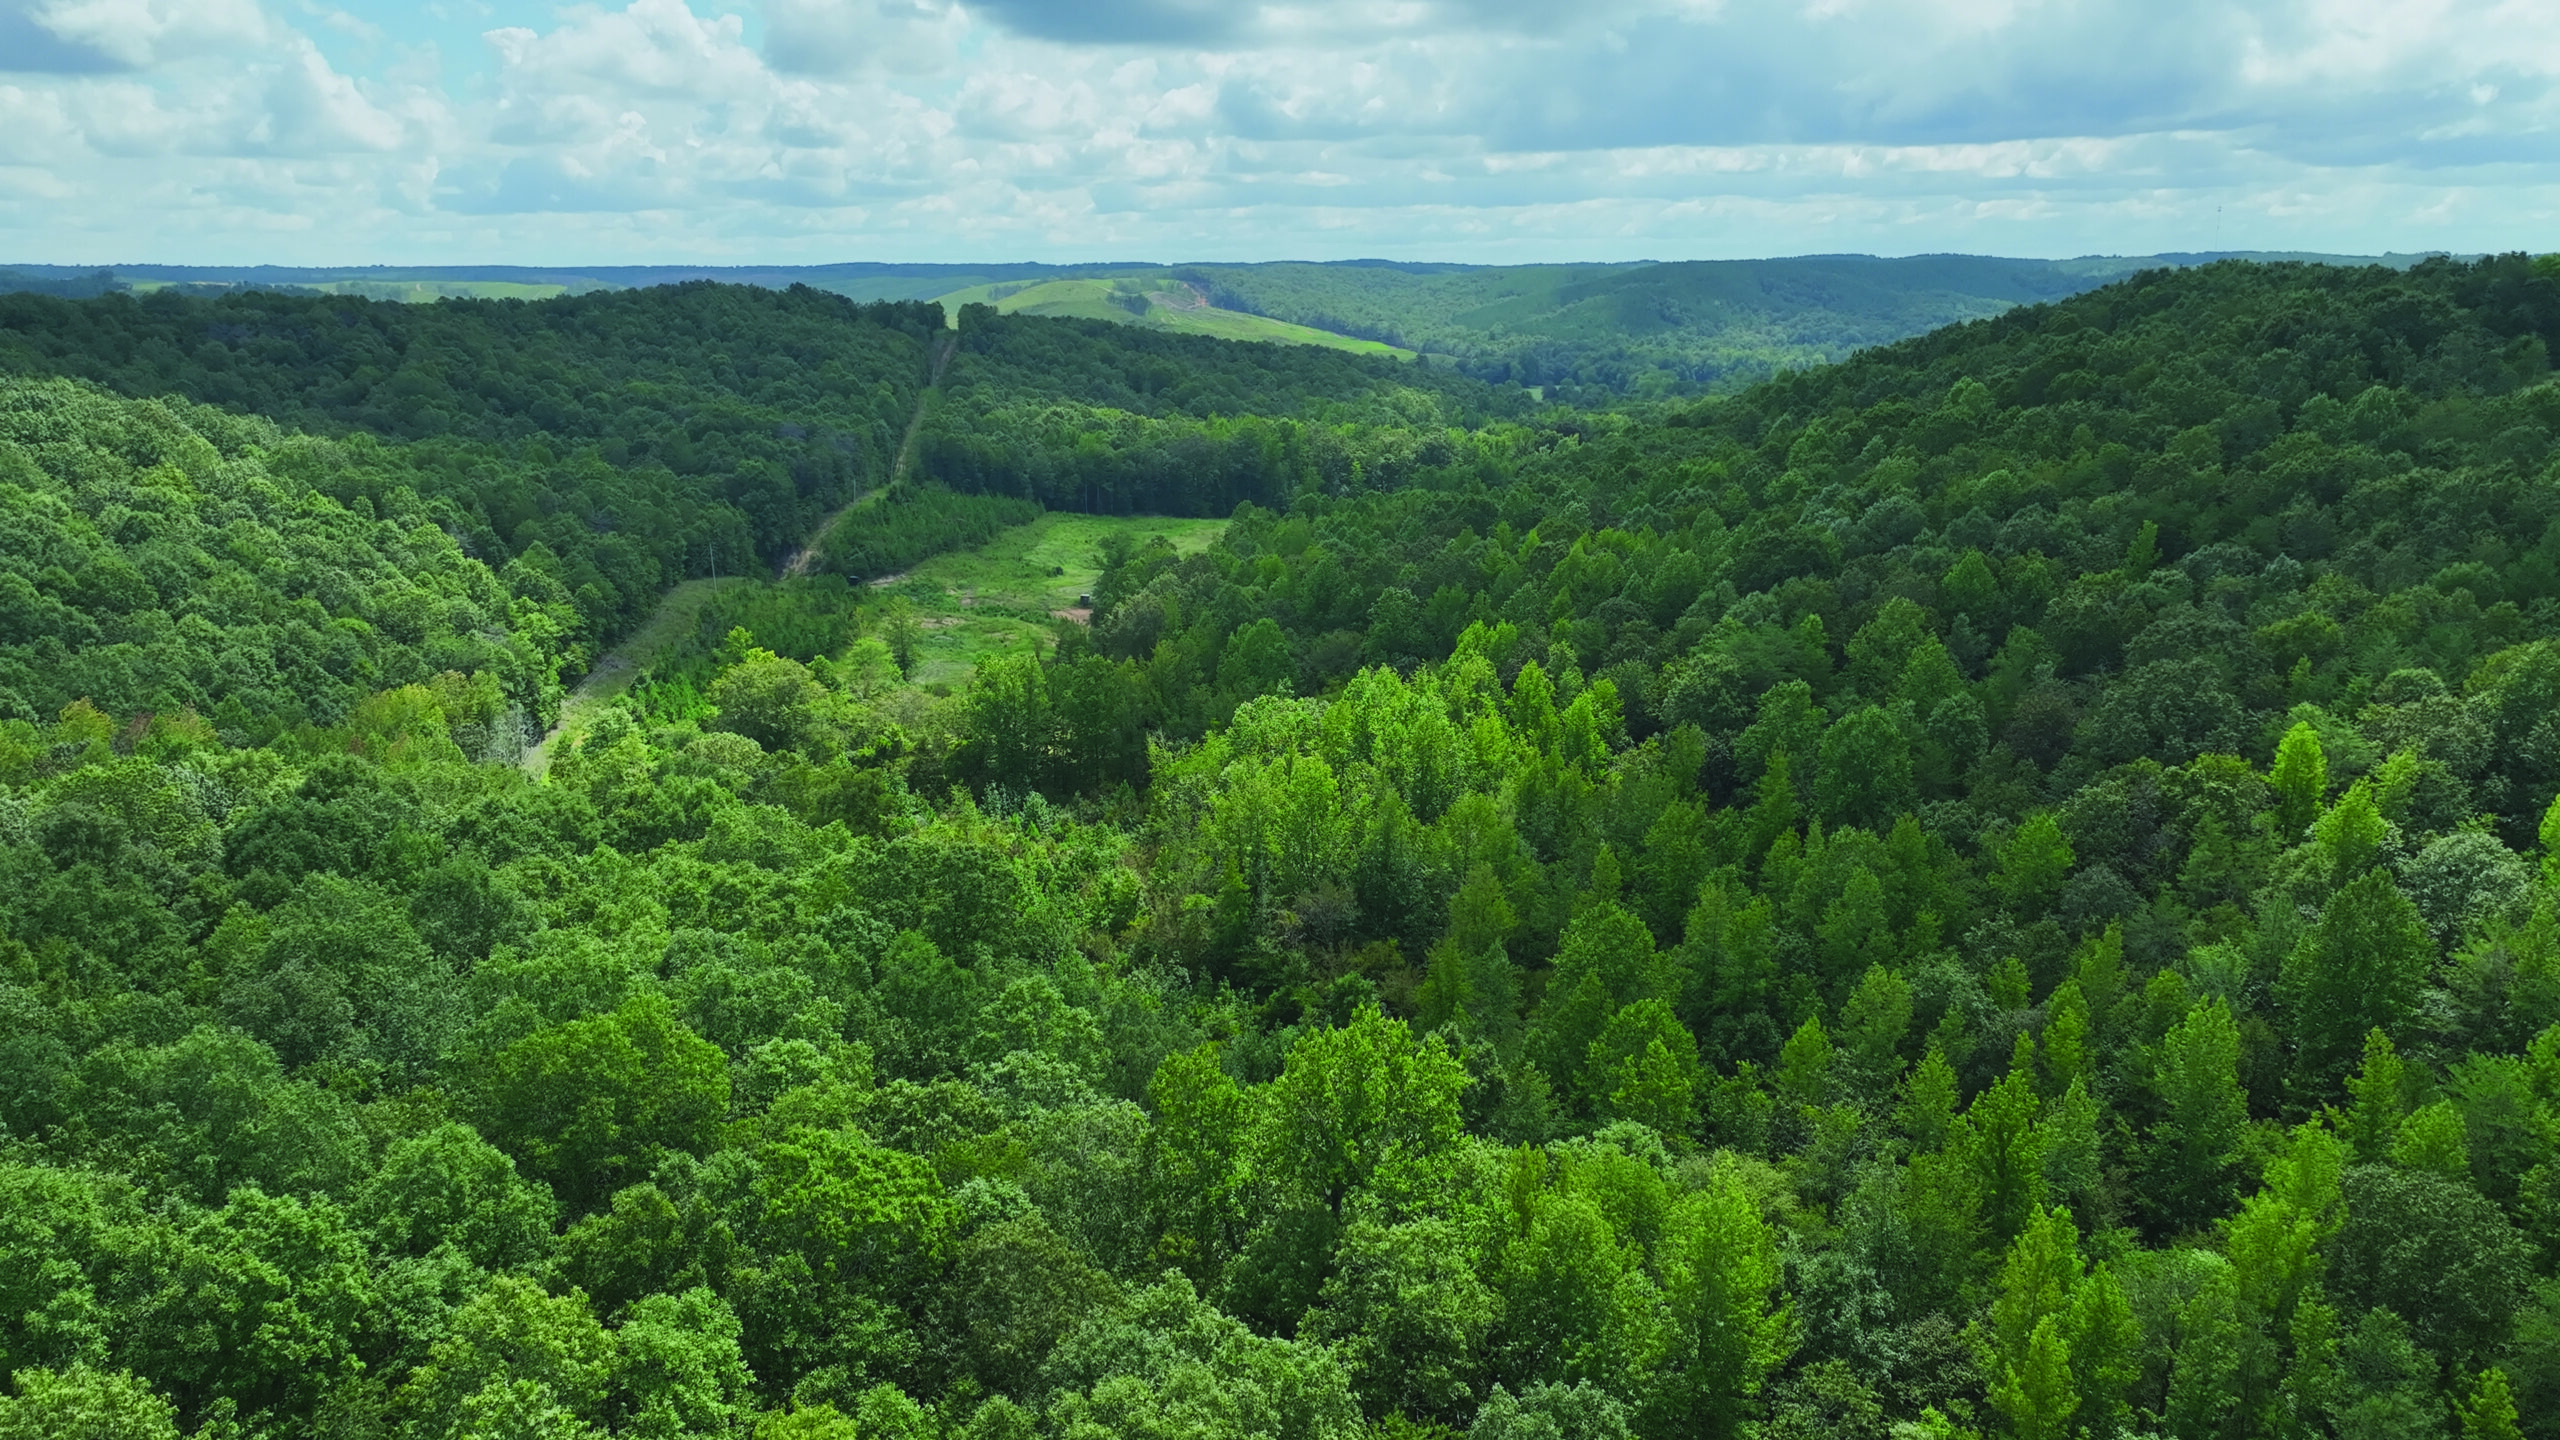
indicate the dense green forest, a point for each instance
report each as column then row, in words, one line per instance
column 158, row 557
column 617, row 441
column 2006, row 887
column 1088, row 415
column 906, row 522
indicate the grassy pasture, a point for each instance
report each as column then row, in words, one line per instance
column 1002, row 596
column 1158, row 301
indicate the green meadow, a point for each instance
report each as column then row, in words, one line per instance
column 1005, row 595
column 1155, row 300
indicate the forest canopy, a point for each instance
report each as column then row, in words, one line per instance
column 2009, row 886
column 629, row 440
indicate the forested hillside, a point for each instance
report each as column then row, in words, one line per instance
column 1087, row 415
column 162, row 558
column 1669, row 327
column 2007, row 887
column 621, row 441
column 68, row 283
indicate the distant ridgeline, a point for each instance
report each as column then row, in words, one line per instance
column 70, row 285
column 1584, row 331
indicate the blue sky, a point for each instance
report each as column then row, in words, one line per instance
column 759, row 131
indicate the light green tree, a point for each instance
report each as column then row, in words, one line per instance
column 1644, row 1067
column 512, row 1361
column 2033, row 863
column 1363, row 1107
column 592, row 1104
column 1607, row 962
column 1196, row 1162
column 677, row 1371
column 2489, row 1411
column 2378, row 1099
column 84, row 1404
column 770, row 700
column 2350, row 833
column 2004, row 1149
column 1865, row 775
column 1408, row 1310
column 2300, row 779
column 2204, row 1376
column 1729, row 1327
column 2203, row 1114
column 2106, row 1352
column 2433, row 1139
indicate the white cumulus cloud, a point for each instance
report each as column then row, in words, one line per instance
column 1492, row 129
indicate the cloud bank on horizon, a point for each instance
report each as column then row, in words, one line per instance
column 295, row 131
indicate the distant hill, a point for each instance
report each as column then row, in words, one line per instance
column 1587, row 330
column 858, row 281
column 1676, row 326
column 67, row 284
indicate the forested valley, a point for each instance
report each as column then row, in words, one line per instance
column 2005, row 887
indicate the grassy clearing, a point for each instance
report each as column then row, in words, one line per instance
column 1002, row 597
column 1075, row 299
column 667, row 627
column 1236, row 325
column 1157, row 301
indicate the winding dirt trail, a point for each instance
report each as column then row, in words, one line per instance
column 674, row 617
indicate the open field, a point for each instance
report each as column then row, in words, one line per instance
column 1001, row 597
column 1158, row 301
column 1237, row 325
column 1079, row 299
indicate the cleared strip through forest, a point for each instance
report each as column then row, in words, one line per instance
column 808, row 554
column 667, row 625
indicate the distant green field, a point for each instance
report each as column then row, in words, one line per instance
column 1001, row 597
column 1117, row 300
column 1236, row 325
column 1154, row 299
